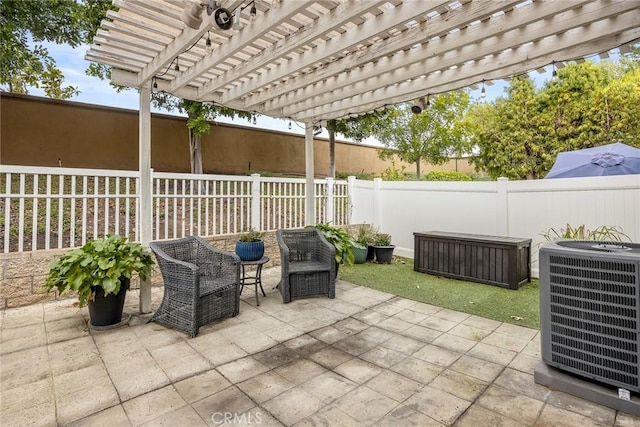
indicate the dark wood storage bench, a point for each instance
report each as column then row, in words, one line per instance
column 500, row 261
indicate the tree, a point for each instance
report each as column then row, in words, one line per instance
column 508, row 133
column 61, row 21
column 433, row 135
column 520, row 135
column 356, row 128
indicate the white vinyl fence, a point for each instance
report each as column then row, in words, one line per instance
column 505, row 208
column 44, row 208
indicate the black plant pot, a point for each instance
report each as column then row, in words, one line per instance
column 384, row 254
column 250, row 251
column 371, row 254
column 107, row 310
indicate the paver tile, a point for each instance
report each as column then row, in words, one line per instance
column 437, row 404
column 476, row 416
column 300, row 371
column 358, row 370
column 404, row 416
column 366, row 405
column 330, row 357
column 329, row 386
column 293, row 405
column 478, row 368
column 330, row 415
column 418, row 370
column 463, row 386
column 265, row 386
column 228, row 401
column 200, row 386
column 242, row 369
column 185, row 416
column 393, row 385
column 511, row 404
column 114, row 416
column 152, row 405
column 437, row 355
column 598, row 413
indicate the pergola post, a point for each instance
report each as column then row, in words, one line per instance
column 144, row 190
column 310, row 207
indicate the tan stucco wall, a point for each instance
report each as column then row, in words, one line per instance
column 37, row 131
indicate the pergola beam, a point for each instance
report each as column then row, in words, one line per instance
column 465, row 51
column 507, row 64
column 334, row 47
column 236, row 44
column 461, row 17
column 469, row 44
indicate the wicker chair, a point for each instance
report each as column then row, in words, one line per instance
column 201, row 283
column 307, row 262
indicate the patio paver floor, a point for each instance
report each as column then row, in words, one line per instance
column 365, row 358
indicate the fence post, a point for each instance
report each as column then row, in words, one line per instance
column 256, row 201
column 377, row 214
column 351, row 183
column 329, row 211
column 502, row 216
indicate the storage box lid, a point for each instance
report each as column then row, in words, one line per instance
column 474, row 237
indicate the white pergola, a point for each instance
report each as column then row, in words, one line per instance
column 316, row 60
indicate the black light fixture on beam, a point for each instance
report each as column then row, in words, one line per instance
column 192, row 14
column 554, row 73
column 483, row 92
column 419, row 105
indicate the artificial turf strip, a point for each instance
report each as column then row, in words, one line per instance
column 519, row 307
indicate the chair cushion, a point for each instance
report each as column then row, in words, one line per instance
column 307, row 267
column 212, row 285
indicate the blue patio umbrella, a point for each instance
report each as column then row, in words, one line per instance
column 611, row 159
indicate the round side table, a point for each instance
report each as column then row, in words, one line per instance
column 253, row 277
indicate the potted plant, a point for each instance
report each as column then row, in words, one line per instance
column 341, row 240
column 100, row 272
column 363, row 239
column 250, row 246
column 366, row 236
column 383, row 248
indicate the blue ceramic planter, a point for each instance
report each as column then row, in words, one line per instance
column 250, row 251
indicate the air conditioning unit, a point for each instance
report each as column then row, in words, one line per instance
column 590, row 310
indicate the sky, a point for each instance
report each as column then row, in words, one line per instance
column 95, row 91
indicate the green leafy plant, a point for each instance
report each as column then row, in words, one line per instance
column 251, row 235
column 581, row 232
column 100, row 262
column 382, row 239
column 340, row 239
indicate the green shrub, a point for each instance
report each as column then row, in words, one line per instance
column 340, row 239
column 446, row 176
column 100, row 262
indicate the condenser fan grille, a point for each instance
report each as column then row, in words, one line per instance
column 593, row 310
